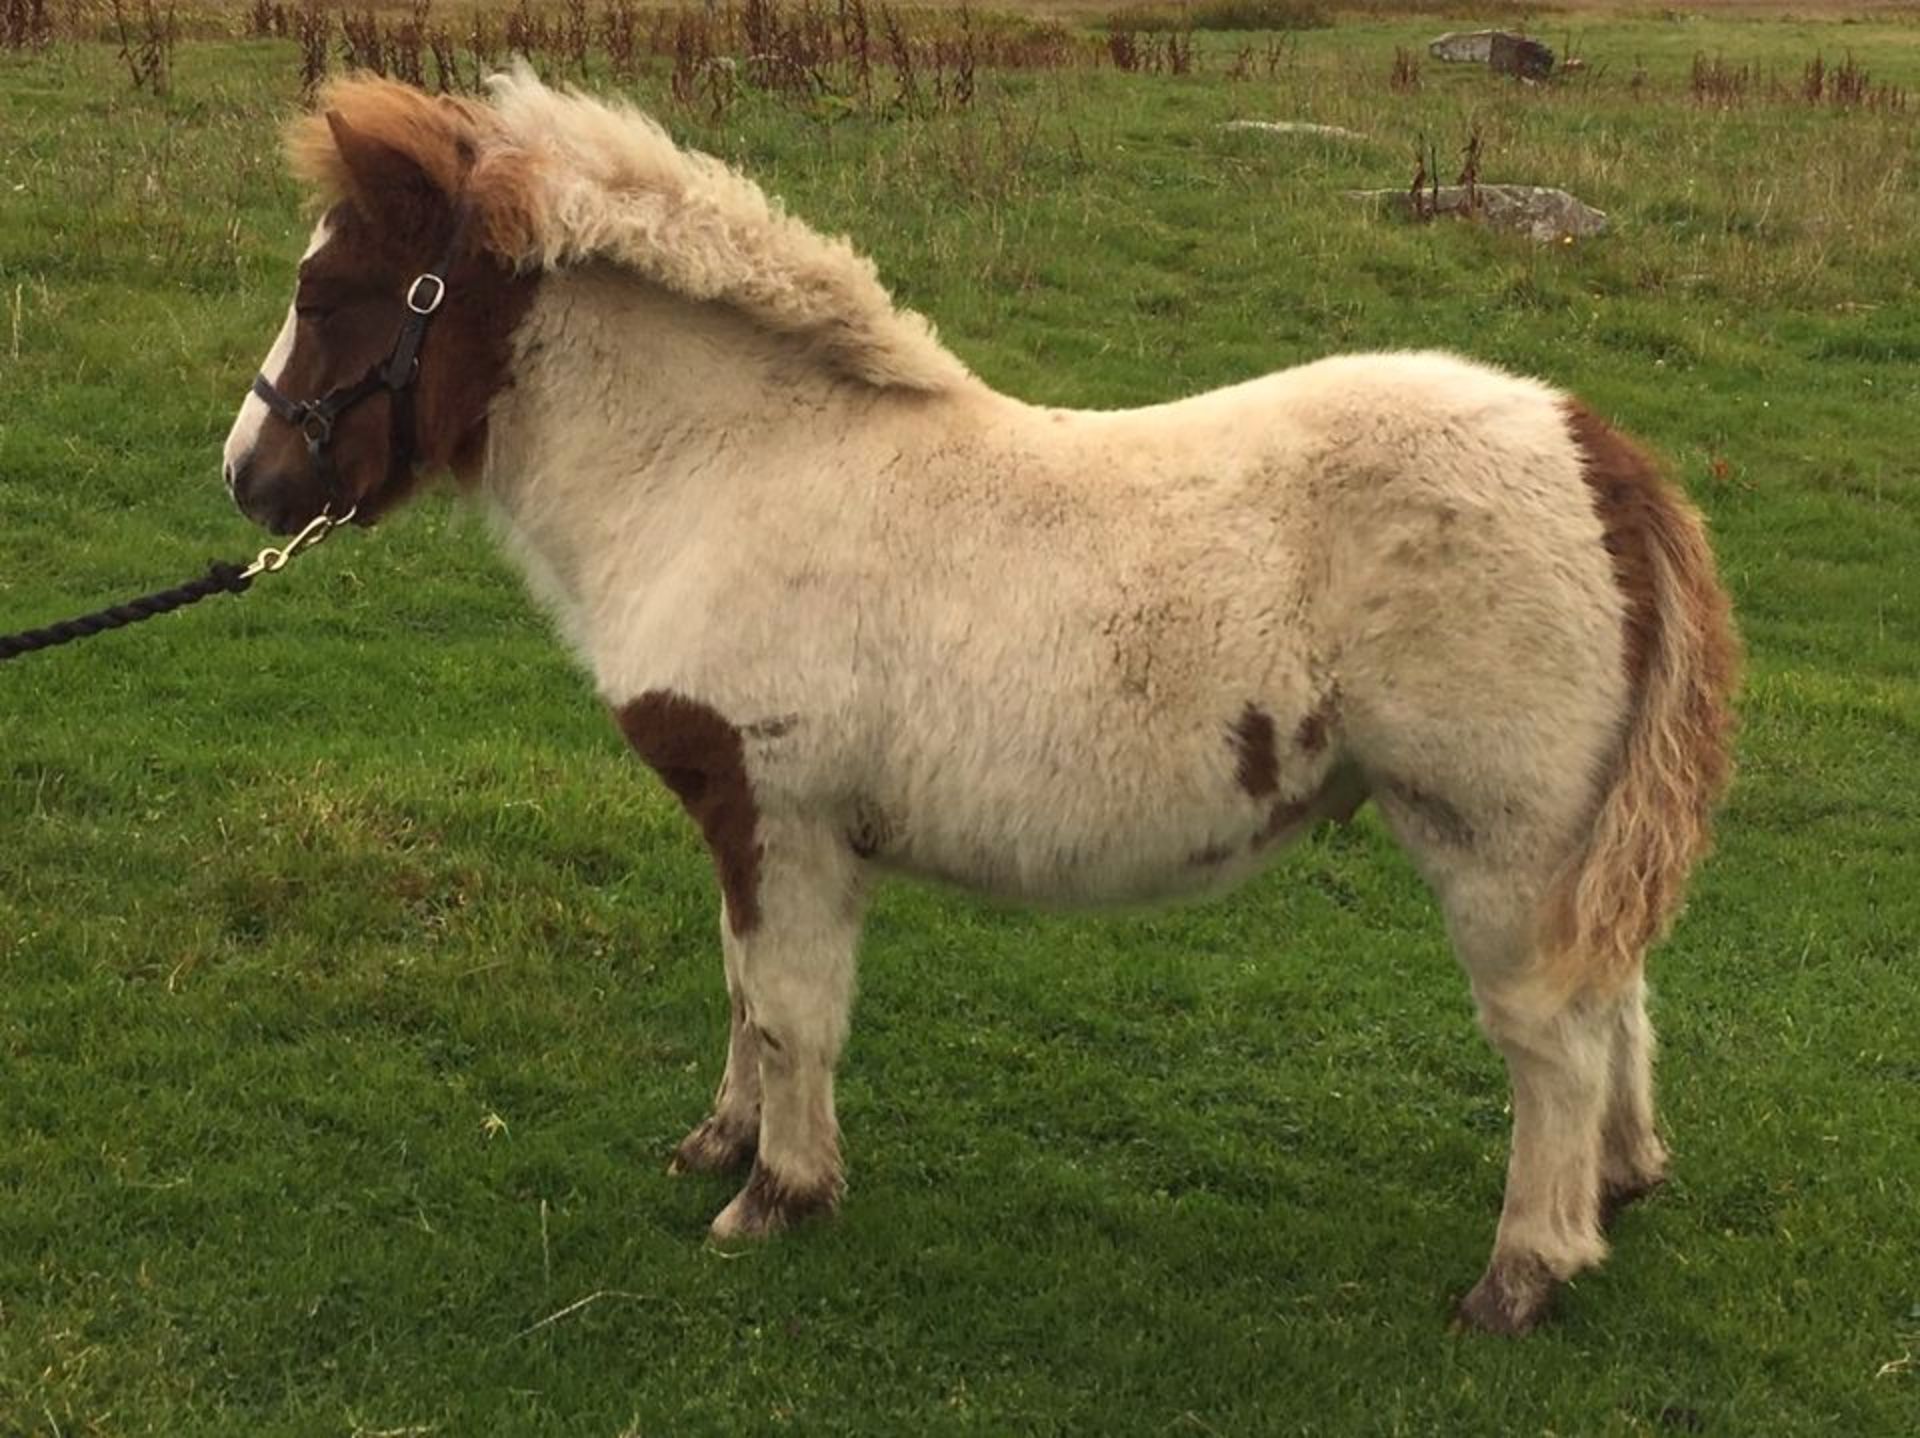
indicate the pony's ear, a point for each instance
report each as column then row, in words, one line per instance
column 385, row 183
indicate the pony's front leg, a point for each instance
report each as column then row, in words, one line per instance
column 726, row 1138
column 796, row 968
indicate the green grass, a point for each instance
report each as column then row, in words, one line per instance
column 354, row 985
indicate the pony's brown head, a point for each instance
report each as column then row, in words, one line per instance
column 403, row 311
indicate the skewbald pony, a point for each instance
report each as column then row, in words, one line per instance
column 1052, row 655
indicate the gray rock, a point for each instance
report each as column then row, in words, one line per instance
column 1463, row 47
column 1536, row 211
column 1517, row 55
column 1294, row 127
column 1500, row 50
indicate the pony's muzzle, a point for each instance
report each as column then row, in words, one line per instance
column 271, row 506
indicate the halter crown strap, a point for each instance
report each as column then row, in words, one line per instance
column 424, row 297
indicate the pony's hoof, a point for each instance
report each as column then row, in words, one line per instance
column 1616, row 1196
column 1511, row 1298
column 716, row 1146
column 768, row 1204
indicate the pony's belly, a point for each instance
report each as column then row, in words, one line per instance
column 1055, row 869
column 1178, row 817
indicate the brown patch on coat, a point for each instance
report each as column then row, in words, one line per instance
column 697, row 755
column 466, row 362
column 1311, row 736
column 465, row 368
column 1259, row 764
column 770, row 1203
column 1209, row 856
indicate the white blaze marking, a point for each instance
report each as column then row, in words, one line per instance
column 245, row 433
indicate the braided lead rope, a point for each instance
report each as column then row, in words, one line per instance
column 220, row 578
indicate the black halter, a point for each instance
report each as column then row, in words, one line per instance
column 315, row 418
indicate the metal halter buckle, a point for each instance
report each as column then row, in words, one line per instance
column 426, row 306
column 316, row 425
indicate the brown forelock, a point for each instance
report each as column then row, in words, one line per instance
column 453, row 146
column 1626, row 491
column 698, row 755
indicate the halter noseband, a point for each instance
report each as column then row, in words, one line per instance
column 315, row 418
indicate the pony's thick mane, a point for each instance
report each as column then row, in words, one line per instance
column 558, row 179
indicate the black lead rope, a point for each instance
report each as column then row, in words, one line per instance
column 220, row 578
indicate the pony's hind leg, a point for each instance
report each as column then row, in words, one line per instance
column 726, row 1138
column 1558, row 1048
column 1633, row 1160
column 1557, row 1055
column 796, row 969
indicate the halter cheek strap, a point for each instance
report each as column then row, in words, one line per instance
column 315, row 418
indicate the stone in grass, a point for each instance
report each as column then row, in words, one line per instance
column 1294, row 127
column 1500, row 50
column 1517, row 55
column 1537, row 211
column 1463, row 47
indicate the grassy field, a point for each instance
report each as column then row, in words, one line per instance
column 354, row 985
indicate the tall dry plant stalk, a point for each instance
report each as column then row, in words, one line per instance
column 146, row 44
column 313, row 30
column 362, row 45
column 1404, row 78
column 25, row 25
column 620, row 33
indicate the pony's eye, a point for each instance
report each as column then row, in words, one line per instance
column 317, row 299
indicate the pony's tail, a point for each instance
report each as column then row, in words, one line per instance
column 1618, row 894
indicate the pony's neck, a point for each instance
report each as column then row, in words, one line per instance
column 632, row 414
